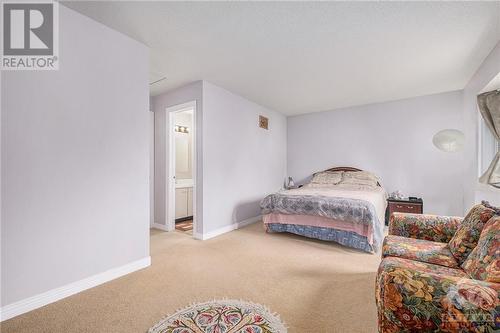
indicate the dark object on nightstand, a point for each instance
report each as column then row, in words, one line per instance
column 294, row 187
column 409, row 205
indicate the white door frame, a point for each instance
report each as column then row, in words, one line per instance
column 170, row 154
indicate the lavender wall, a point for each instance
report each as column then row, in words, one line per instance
column 242, row 162
column 75, row 162
column 473, row 191
column 392, row 139
column 187, row 93
column 238, row 163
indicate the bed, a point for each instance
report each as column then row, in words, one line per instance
column 345, row 205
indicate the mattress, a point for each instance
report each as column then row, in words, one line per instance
column 324, row 221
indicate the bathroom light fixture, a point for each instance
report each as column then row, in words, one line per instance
column 181, row 129
column 449, row 140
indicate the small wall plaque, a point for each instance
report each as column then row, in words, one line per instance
column 263, row 122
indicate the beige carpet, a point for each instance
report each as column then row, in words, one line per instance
column 314, row 286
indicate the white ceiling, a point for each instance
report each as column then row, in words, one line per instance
column 301, row 57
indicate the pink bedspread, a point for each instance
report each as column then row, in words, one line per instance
column 319, row 221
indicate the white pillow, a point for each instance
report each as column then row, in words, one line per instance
column 363, row 178
column 360, row 175
column 359, row 181
column 327, row 177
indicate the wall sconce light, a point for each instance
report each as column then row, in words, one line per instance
column 449, row 140
column 181, row 129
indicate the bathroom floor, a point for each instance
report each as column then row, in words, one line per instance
column 184, row 226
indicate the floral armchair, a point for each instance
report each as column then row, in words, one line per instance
column 440, row 274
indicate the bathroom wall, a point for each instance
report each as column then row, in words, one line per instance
column 184, row 146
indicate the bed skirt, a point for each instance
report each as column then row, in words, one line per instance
column 346, row 238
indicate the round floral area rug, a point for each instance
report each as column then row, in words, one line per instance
column 221, row 316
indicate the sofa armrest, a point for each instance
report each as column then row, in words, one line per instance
column 424, row 226
column 414, row 296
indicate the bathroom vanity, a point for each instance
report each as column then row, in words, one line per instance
column 184, row 199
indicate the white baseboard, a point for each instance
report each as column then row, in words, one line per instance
column 37, row 301
column 249, row 221
column 159, row 226
column 228, row 228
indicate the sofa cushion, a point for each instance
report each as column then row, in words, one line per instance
column 413, row 296
column 483, row 263
column 418, row 249
column 423, row 267
column 424, row 226
column 468, row 232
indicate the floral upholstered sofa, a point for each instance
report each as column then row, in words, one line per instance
column 441, row 274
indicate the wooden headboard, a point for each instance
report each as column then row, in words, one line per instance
column 346, row 169
column 343, row 169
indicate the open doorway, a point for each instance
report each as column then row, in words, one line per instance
column 181, row 182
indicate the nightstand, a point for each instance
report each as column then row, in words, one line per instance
column 403, row 206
